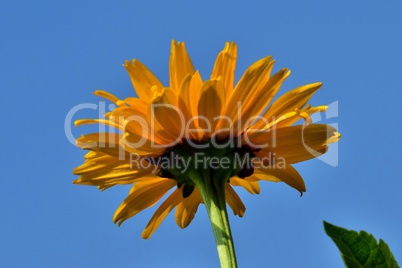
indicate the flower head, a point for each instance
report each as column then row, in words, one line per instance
column 197, row 132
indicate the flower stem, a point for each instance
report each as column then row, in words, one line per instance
column 213, row 193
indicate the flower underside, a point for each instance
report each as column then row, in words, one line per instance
column 224, row 162
column 195, row 133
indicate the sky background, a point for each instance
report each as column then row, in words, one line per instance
column 54, row 54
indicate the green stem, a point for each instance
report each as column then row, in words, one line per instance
column 213, row 193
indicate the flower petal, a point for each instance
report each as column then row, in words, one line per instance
column 288, row 174
column 103, row 142
column 101, row 163
column 135, row 121
column 142, row 195
column 210, row 105
column 111, row 175
column 253, row 79
column 295, row 143
column 234, row 201
column 303, row 114
column 260, row 175
column 180, row 65
column 173, row 200
column 90, row 121
column 108, row 164
column 190, row 93
column 135, row 140
column 143, row 80
column 109, row 96
column 170, row 121
column 294, row 99
column 257, row 101
column 139, row 146
column 136, row 103
column 251, row 186
column 188, row 100
column 225, row 66
column 187, row 208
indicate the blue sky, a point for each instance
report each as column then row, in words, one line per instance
column 54, row 54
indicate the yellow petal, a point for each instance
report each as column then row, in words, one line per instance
column 190, row 92
column 253, row 79
column 92, row 154
column 196, row 84
column 143, row 195
column 135, row 142
column 138, row 145
column 260, row 175
column 114, row 175
column 143, row 80
column 108, row 166
column 266, row 126
column 251, row 186
column 259, row 99
column 234, row 201
column 173, row 200
column 303, row 114
column 185, row 97
column 107, row 122
column 99, row 140
column 126, row 115
column 336, row 136
column 170, row 121
column 210, row 105
column 134, row 121
column 136, row 103
column 186, row 101
column 102, row 143
column 294, row 99
column 187, row 208
column 225, row 66
column 108, row 96
column 288, row 174
column 180, row 65
column 101, row 163
column 295, row 143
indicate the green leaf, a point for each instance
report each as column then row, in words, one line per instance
column 361, row 249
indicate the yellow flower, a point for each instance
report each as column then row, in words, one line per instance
column 206, row 124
